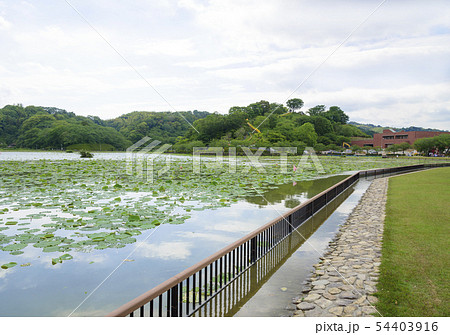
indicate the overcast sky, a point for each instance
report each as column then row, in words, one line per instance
column 163, row 55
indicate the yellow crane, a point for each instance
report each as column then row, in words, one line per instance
column 251, row 126
column 345, row 144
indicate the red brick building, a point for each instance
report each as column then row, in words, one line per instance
column 390, row 137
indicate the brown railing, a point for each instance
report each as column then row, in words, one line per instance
column 230, row 300
column 187, row 292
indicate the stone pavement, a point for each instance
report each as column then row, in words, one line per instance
column 344, row 280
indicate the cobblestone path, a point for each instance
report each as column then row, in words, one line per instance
column 344, row 280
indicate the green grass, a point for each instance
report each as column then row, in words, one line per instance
column 414, row 271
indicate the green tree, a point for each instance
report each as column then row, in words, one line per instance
column 320, row 147
column 442, row 143
column 295, row 104
column 336, row 114
column 41, row 120
column 404, row 146
column 307, row 134
column 356, row 148
column 424, row 145
column 258, row 108
column 348, row 130
column 322, row 125
column 393, row 148
column 276, row 109
column 274, row 136
column 317, row 110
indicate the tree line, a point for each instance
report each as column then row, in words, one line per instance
column 440, row 143
column 36, row 127
column 260, row 124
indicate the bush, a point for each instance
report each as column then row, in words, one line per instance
column 85, row 154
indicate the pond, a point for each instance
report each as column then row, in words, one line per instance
column 61, row 155
column 82, row 237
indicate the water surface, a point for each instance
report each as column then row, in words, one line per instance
column 95, row 282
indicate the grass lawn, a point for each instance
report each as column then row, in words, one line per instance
column 415, row 267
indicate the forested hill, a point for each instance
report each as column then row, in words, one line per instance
column 266, row 124
column 371, row 129
column 163, row 126
column 53, row 128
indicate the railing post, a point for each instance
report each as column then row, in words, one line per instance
column 174, row 301
column 289, row 223
column 253, row 250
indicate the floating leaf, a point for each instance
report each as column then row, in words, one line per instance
column 133, row 218
column 56, row 261
column 51, row 249
column 8, row 265
column 14, row 247
column 66, row 257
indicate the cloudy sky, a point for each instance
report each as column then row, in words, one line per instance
column 389, row 66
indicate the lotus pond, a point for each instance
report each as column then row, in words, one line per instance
column 67, row 224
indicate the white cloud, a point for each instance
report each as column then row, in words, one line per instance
column 176, row 47
column 4, row 24
column 165, row 250
column 211, row 55
column 208, row 236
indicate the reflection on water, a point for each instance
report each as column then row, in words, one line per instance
column 36, row 288
column 242, row 298
column 291, row 195
column 165, row 250
column 281, row 286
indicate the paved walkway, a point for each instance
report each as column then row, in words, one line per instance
column 344, row 280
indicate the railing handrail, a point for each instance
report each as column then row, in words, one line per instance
column 158, row 290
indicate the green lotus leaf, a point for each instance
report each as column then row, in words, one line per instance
column 51, row 249
column 56, row 261
column 66, row 257
column 14, row 247
column 8, row 265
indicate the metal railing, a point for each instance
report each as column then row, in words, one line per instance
column 189, row 291
column 238, row 292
